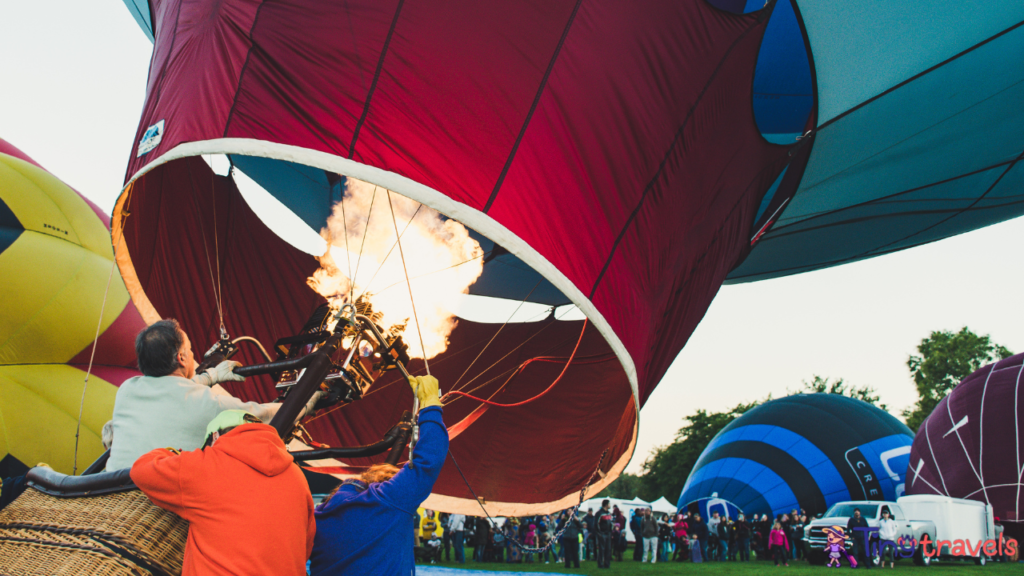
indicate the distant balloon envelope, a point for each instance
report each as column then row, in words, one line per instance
column 55, row 261
column 916, row 134
column 970, row 445
column 806, row 451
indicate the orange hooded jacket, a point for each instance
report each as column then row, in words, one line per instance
column 248, row 505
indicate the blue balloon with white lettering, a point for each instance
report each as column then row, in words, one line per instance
column 806, row 451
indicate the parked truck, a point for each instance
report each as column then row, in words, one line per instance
column 941, row 519
column 841, row 512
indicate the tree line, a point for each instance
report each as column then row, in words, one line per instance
column 944, row 358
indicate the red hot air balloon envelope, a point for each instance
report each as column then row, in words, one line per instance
column 605, row 156
column 970, row 445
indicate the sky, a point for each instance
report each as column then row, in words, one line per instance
column 74, row 78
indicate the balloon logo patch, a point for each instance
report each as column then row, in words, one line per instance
column 151, row 139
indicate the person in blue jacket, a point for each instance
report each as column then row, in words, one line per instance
column 366, row 525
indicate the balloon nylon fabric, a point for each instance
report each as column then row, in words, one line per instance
column 921, row 132
column 615, row 140
column 781, row 456
column 970, row 445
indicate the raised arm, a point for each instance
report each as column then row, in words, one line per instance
column 412, row 484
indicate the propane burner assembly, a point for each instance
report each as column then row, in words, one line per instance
column 341, row 352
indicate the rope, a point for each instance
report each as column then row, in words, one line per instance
column 216, row 249
column 509, row 353
column 206, row 248
column 558, row 535
column 362, row 243
column 389, row 286
column 466, row 371
column 407, row 282
column 520, row 369
column 366, row 289
column 88, row 371
column 596, row 359
column 348, row 255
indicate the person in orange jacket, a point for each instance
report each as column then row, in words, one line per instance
column 247, row 503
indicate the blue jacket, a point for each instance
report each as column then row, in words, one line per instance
column 371, row 531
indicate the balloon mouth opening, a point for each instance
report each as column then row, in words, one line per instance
column 379, row 244
column 510, row 333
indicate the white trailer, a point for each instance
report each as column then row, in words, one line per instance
column 968, row 521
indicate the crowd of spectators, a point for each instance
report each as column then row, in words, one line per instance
column 604, row 536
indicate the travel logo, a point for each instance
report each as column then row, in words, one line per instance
column 999, row 547
column 906, row 547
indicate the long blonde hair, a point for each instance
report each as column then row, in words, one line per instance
column 373, row 474
column 379, row 473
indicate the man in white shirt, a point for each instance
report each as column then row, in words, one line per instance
column 713, row 542
column 170, row 405
column 887, row 535
column 457, row 526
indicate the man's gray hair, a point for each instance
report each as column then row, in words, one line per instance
column 107, row 435
column 156, row 347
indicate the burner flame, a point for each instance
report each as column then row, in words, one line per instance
column 363, row 258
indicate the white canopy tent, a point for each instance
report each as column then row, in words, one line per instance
column 663, row 506
column 626, row 506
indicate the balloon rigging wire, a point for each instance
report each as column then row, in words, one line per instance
column 466, row 371
column 216, row 248
column 348, row 254
column 589, row 360
column 520, row 369
column 366, row 230
column 366, row 289
column 484, row 255
column 206, row 248
column 509, row 353
column 595, row 359
column 448, row 357
column 557, row 537
column 406, row 271
column 88, row 371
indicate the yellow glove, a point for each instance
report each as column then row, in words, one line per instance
column 426, row 389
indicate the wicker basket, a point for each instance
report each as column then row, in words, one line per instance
column 35, row 554
column 105, row 530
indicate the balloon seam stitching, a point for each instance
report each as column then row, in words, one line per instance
column 533, row 107
column 163, row 71
column 881, row 250
column 245, row 67
column 376, row 77
column 664, row 160
column 777, row 232
column 925, row 72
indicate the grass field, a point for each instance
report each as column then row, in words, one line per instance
column 630, row 568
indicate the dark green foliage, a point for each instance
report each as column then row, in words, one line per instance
column 945, row 359
column 625, row 486
column 823, row 386
column 666, row 470
column 668, row 467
